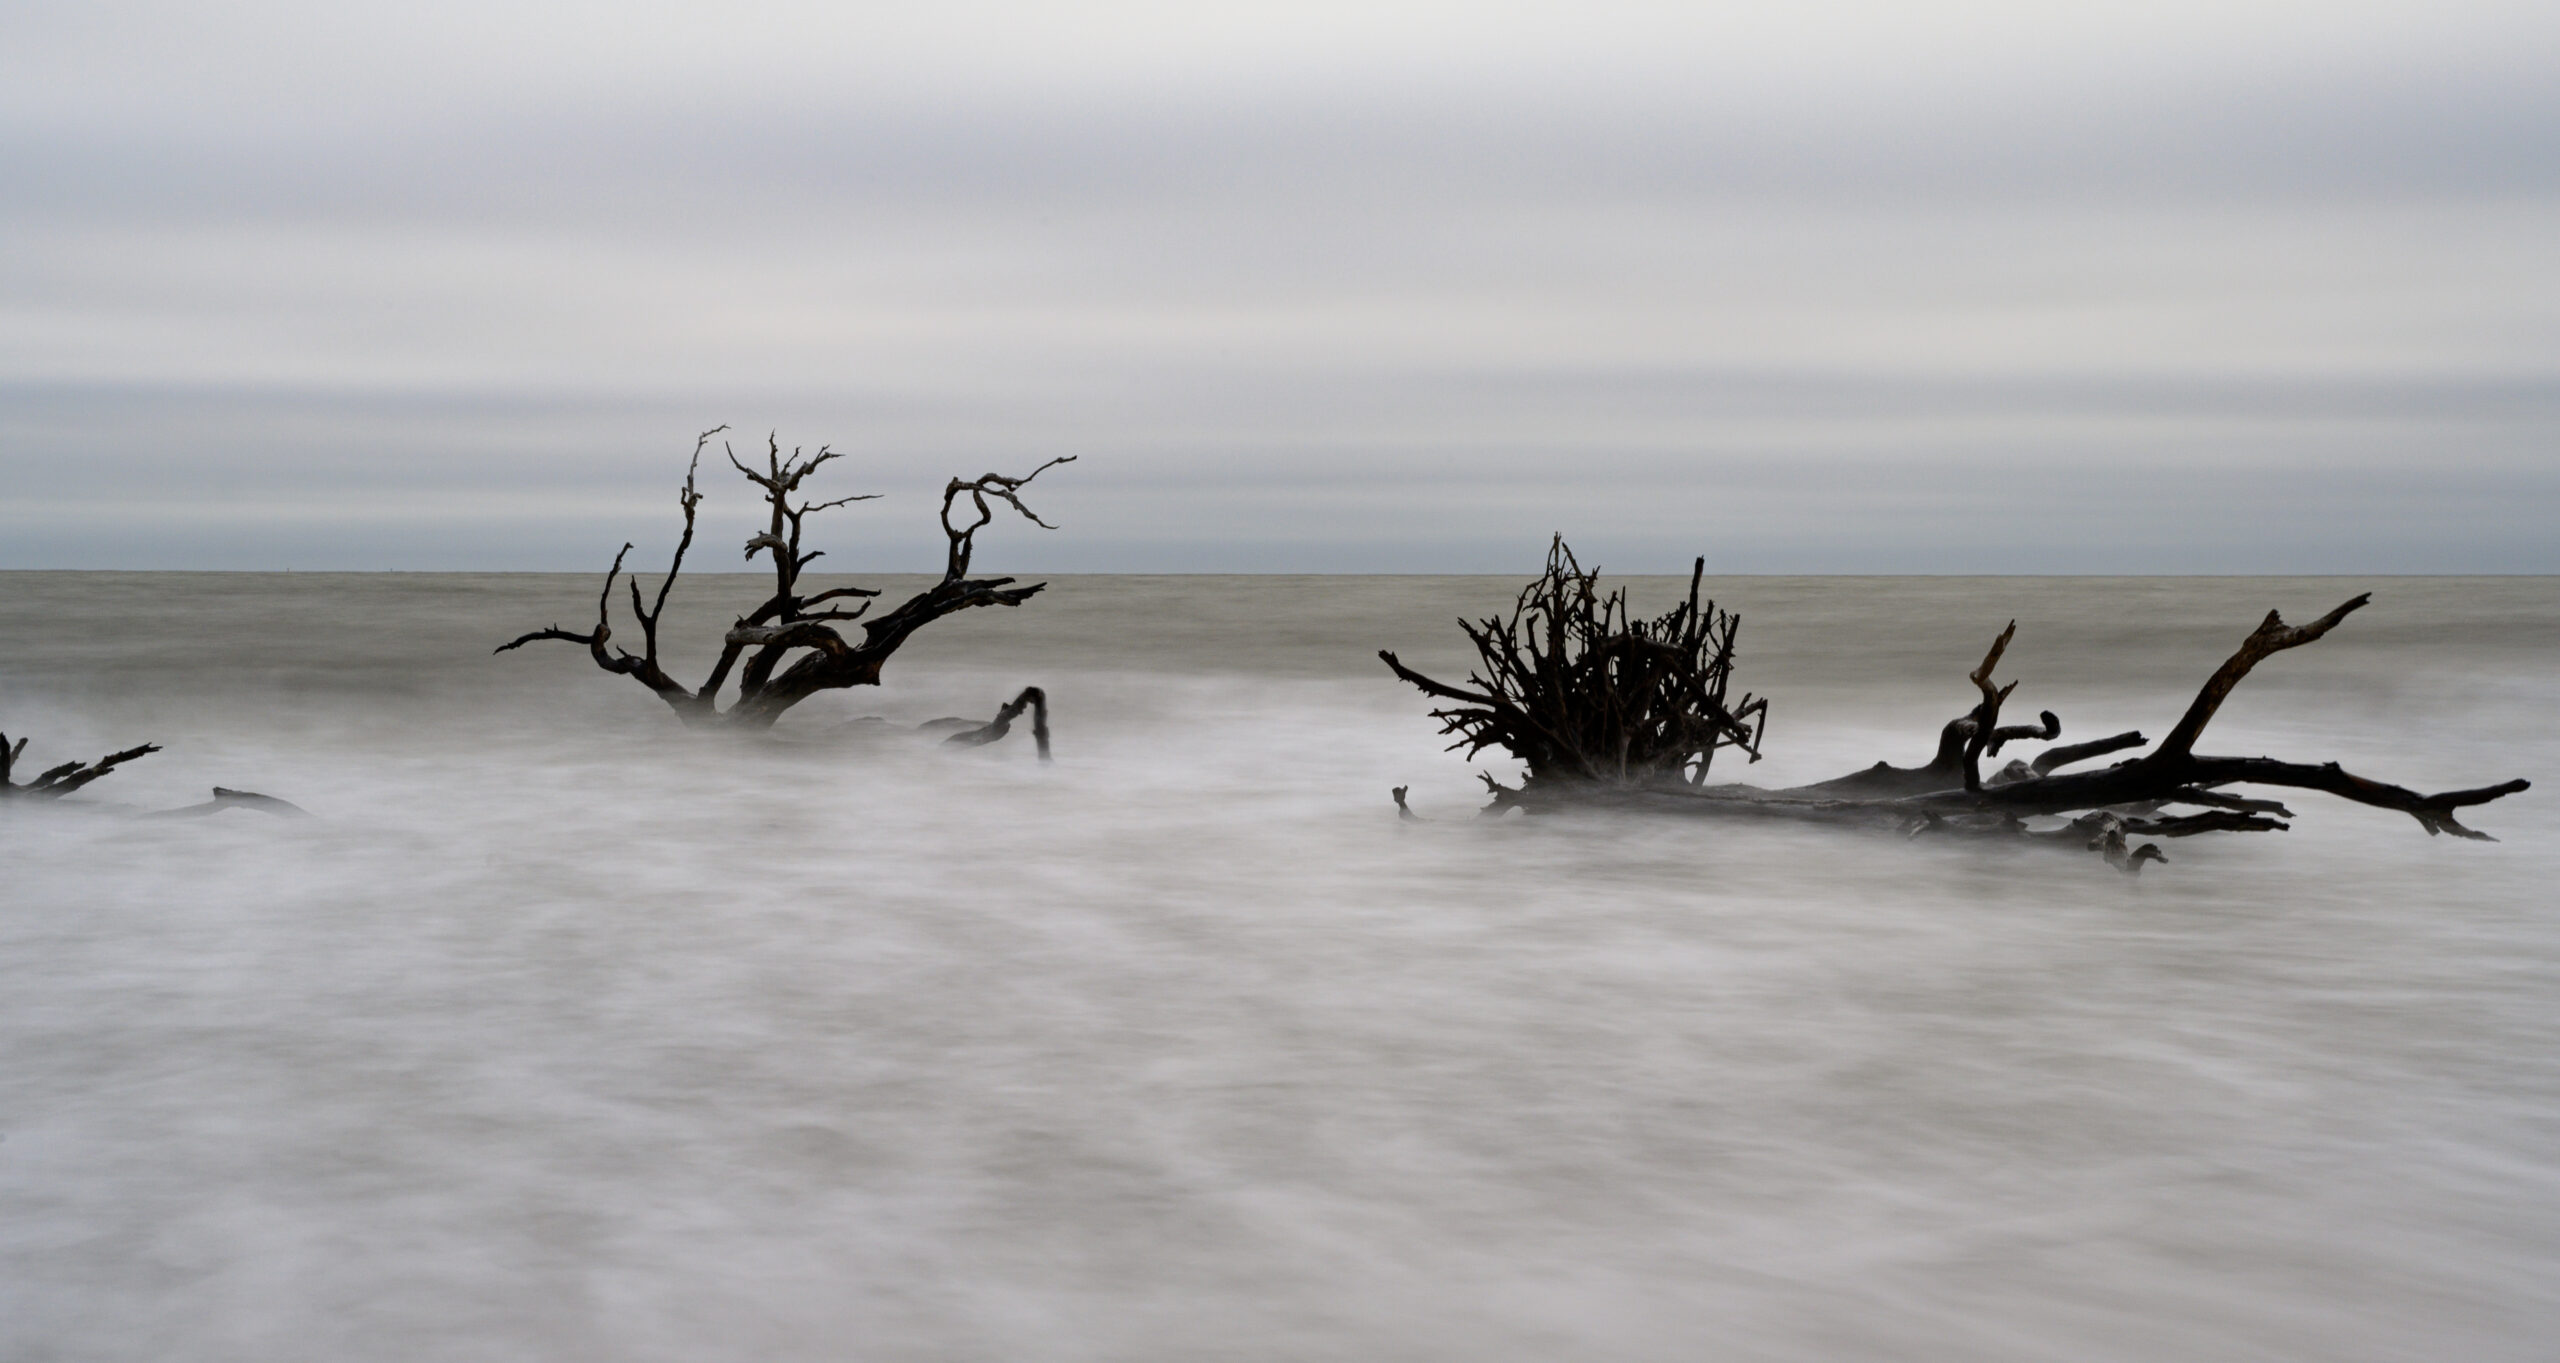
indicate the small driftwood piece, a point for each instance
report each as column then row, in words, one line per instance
column 1608, row 711
column 789, row 649
column 56, row 782
column 1033, row 697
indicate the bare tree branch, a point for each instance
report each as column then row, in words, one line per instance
column 2068, row 753
column 2270, row 637
column 1986, row 717
column 1008, row 490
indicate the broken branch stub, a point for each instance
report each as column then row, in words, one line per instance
column 785, row 650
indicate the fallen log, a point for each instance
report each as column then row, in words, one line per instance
column 1607, row 711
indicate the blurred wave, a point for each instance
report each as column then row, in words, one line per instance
column 566, row 1033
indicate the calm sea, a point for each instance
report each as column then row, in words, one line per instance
column 565, row 1033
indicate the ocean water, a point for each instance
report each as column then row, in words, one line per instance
column 562, row 1032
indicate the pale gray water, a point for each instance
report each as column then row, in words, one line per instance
column 565, row 1034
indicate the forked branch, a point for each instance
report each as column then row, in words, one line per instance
column 1007, row 490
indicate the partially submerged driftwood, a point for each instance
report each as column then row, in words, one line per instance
column 1611, row 711
column 234, row 799
column 765, row 640
column 982, row 735
column 56, row 782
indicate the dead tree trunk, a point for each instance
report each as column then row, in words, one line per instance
column 1591, row 688
column 787, row 650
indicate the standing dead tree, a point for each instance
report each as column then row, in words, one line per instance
column 788, row 649
column 1609, row 711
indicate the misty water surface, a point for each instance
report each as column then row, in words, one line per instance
column 564, row 1033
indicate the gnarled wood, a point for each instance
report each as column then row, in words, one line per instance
column 55, row 782
column 1561, row 733
column 1580, row 690
column 1033, row 697
column 786, row 650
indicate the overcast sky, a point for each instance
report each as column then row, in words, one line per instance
column 1863, row 287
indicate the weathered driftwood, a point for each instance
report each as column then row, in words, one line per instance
column 765, row 640
column 1033, row 697
column 1609, row 712
column 56, row 782
column 1585, row 693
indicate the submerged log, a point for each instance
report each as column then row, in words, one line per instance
column 1591, row 689
column 234, row 799
column 786, row 650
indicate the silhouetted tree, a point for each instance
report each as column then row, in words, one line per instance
column 789, row 648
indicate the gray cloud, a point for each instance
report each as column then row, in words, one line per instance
column 1853, row 289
